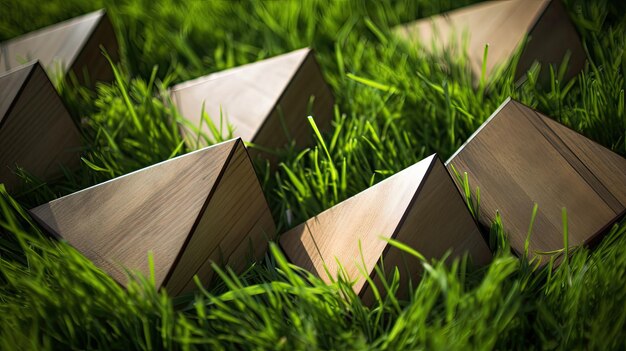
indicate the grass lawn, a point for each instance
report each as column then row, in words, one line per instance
column 395, row 105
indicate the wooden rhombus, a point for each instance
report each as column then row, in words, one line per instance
column 418, row 206
column 36, row 131
column 503, row 25
column 520, row 157
column 189, row 212
column 70, row 46
column 267, row 102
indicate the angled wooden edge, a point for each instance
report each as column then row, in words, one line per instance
column 12, row 85
column 287, row 122
column 245, row 127
column 552, row 34
column 185, row 244
column 55, row 26
column 98, row 25
column 90, row 57
column 288, row 118
column 485, row 123
column 55, row 140
column 553, row 47
column 71, row 216
column 310, row 57
column 175, row 91
column 436, row 222
column 272, row 130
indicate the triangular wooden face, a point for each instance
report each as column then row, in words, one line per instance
column 117, row 223
column 56, row 47
column 236, row 216
column 436, row 222
column 246, row 94
column 552, row 38
column 520, row 157
column 91, row 66
column 500, row 24
column 36, row 131
column 364, row 219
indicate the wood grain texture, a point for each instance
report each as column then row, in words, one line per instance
column 70, row 46
column 175, row 209
column 503, row 25
column 519, row 157
column 238, row 202
column 436, row 223
column 36, row 131
column 405, row 207
column 255, row 97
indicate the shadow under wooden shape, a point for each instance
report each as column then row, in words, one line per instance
column 70, row 46
column 36, row 131
column 201, row 208
column 519, row 157
column 254, row 98
column 503, row 25
column 418, row 206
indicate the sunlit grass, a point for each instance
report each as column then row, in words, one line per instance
column 395, row 105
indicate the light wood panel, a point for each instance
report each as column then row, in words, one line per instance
column 419, row 206
column 503, row 25
column 70, row 46
column 255, row 97
column 182, row 210
column 36, row 131
column 519, row 157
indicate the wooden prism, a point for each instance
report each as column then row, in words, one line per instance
column 70, row 46
column 254, row 98
column 36, row 131
column 520, row 157
column 503, row 25
column 203, row 207
column 418, row 206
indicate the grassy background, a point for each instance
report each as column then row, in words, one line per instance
column 395, row 105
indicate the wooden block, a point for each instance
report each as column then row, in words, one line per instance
column 255, row 97
column 503, row 25
column 206, row 206
column 419, row 206
column 36, row 131
column 70, row 46
column 519, row 157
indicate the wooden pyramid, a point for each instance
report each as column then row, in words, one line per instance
column 519, row 157
column 503, row 25
column 70, row 46
column 206, row 206
column 36, row 131
column 255, row 97
column 418, row 206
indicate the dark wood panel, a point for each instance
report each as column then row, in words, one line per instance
column 399, row 207
column 73, row 45
column 503, row 25
column 519, row 157
column 167, row 209
column 36, row 130
column 255, row 97
column 293, row 105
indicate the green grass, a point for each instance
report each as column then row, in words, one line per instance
column 395, row 106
